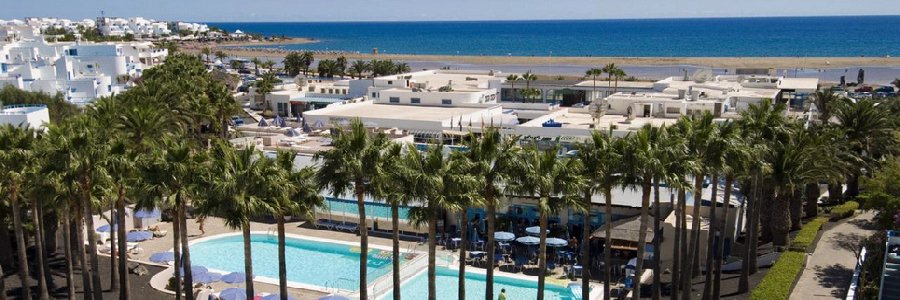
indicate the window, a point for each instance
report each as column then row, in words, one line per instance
column 446, row 101
column 673, row 110
column 415, row 100
column 394, row 99
column 390, row 82
column 374, row 95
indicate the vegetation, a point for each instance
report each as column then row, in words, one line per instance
column 297, row 62
column 780, row 280
column 807, row 234
column 844, row 211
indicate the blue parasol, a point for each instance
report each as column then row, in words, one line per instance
column 207, row 278
column 234, row 277
column 276, row 297
column 233, row 294
column 503, row 236
column 334, row 297
column 105, row 228
column 263, row 123
column 162, row 257
column 148, row 214
column 196, row 270
column 529, row 240
column 138, row 236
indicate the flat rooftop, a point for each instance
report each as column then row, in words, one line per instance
column 21, row 109
column 394, row 111
column 461, row 80
column 584, row 121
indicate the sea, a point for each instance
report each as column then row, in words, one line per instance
column 846, row 36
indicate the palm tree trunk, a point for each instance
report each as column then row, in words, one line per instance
column 432, row 249
column 20, row 241
column 781, row 220
column 67, row 251
column 685, row 279
column 86, row 284
column 395, row 242
column 586, row 247
column 657, row 214
column 852, row 186
column 676, row 259
column 811, row 195
column 491, row 228
column 693, row 254
column 248, row 261
column 363, row 239
column 185, row 249
column 607, row 252
column 113, row 271
column 720, row 251
column 711, row 237
column 464, row 229
column 796, row 204
column 176, row 248
column 542, row 255
column 282, row 261
column 2, row 283
column 124, row 293
column 43, row 294
column 92, row 240
column 646, row 188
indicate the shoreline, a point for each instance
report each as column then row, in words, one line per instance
column 246, row 49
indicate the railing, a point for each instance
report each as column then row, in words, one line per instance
column 854, row 283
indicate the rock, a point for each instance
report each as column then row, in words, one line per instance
column 140, row 271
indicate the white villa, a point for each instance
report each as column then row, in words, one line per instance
column 136, row 26
column 31, row 116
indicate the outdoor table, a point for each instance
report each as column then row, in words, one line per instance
column 454, row 243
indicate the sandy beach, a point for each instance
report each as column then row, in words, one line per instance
column 712, row 62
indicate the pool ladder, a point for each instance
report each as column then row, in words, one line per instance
column 271, row 233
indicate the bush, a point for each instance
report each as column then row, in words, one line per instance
column 780, row 280
column 807, row 234
column 844, row 211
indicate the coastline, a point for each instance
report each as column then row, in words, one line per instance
column 246, row 49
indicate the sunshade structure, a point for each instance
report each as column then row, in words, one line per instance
column 534, row 230
column 146, row 214
column 279, row 122
column 106, row 228
column 197, row 270
column 292, row 132
column 138, row 236
column 503, row 236
column 625, row 233
column 233, row 294
column 162, row 257
column 277, row 297
column 528, row 240
column 334, row 297
column 263, row 123
column 235, row 277
column 207, row 278
column 556, row 242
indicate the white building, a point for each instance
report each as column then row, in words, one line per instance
column 31, row 116
column 136, row 26
column 192, row 27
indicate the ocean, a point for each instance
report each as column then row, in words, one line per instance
column 851, row 36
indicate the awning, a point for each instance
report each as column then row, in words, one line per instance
column 624, row 230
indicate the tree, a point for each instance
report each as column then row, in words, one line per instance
column 867, row 127
column 306, row 60
column 264, row 86
column 531, row 94
column 237, row 64
column 555, row 183
column 617, row 74
column 896, row 83
column 512, row 78
column 359, row 67
column 293, row 63
column 221, row 56
column 346, row 168
column 491, row 158
column 256, row 61
column 528, row 77
column 826, row 100
column 206, row 54
column 395, row 185
column 341, row 66
column 609, row 69
column 15, row 156
column 290, row 193
column 593, row 73
column 601, row 161
column 401, row 68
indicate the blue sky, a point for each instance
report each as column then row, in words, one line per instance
column 423, row 10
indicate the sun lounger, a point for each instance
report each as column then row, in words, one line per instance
column 349, row 227
column 324, row 223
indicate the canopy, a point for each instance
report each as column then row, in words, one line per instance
column 556, row 242
column 162, row 257
column 534, row 230
column 503, row 236
column 625, row 229
column 263, row 123
column 334, row 297
column 277, row 297
column 138, row 236
column 292, row 132
column 235, row 277
column 233, row 294
column 528, row 240
column 207, row 278
column 279, row 121
column 148, row 214
column 196, row 270
column 105, row 228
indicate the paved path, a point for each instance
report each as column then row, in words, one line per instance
column 830, row 268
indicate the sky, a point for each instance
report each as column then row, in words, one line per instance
column 435, row 10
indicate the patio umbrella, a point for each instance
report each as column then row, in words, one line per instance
column 234, row 277
column 334, row 297
column 207, row 278
column 277, row 297
column 556, row 242
column 319, row 124
column 631, row 263
column 196, row 270
column 138, row 236
column 106, row 227
column 534, row 230
column 263, row 123
column 233, row 294
column 279, row 122
column 529, row 240
column 162, row 257
column 503, row 236
column 146, row 214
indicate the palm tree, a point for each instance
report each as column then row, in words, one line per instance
column 593, row 73
column 359, row 67
column 394, row 185
column 264, row 86
column 642, row 159
column 556, row 184
column 347, row 168
column 206, row 53
column 233, row 183
column 221, row 55
column 15, row 155
column 256, row 61
column 531, row 94
column 491, row 157
column 268, row 65
column 735, row 159
column 675, row 164
column 293, row 193
column 512, row 78
column 617, row 74
column 528, row 77
column 306, row 60
column 609, row 69
column 401, row 68
column 602, row 162
column 439, row 180
column 868, row 129
column 341, row 65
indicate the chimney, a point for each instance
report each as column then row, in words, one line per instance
column 681, row 94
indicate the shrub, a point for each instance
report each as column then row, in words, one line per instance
column 844, row 211
column 780, row 280
column 807, row 234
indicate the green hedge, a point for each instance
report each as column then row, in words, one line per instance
column 780, row 279
column 807, row 234
column 844, row 211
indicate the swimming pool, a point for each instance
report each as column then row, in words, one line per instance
column 417, row 287
column 309, row 262
column 373, row 210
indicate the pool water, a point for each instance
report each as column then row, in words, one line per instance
column 417, row 287
column 308, row 262
column 373, row 210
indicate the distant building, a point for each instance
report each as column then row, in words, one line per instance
column 31, row 116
